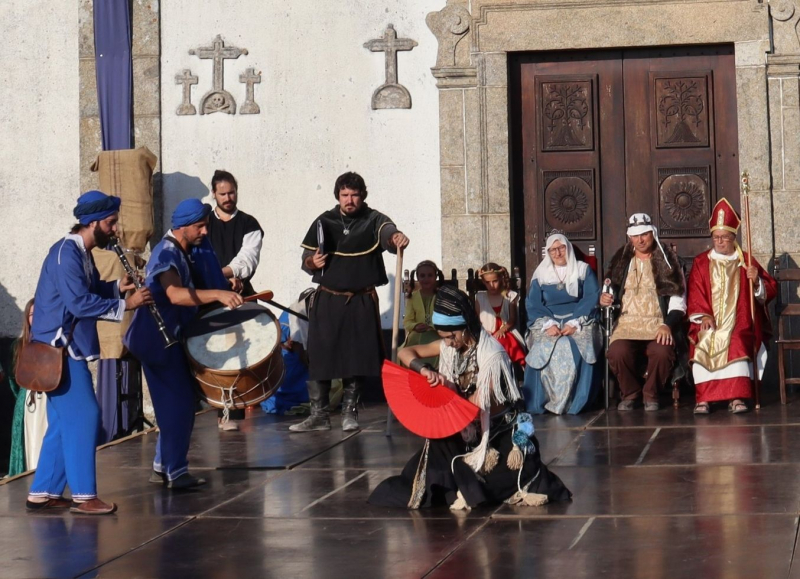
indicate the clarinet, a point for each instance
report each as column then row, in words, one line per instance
column 162, row 327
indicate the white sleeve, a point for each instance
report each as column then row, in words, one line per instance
column 549, row 324
column 577, row 323
column 677, row 303
column 246, row 261
column 761, row 292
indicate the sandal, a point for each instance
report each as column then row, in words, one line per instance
column 702, row 408
column 737, row 407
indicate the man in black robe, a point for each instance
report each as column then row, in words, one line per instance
column 236, row 238
column 235, row 235
column 343, row 252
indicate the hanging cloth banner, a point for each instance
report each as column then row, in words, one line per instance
column 112, row 49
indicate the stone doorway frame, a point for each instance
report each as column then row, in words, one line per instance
column 475, row 38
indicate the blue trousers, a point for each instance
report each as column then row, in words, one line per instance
column 172, row 389
column 68, row 449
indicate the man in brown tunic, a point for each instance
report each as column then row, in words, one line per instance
column 649, row 289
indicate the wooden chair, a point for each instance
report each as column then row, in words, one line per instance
column 784, row 311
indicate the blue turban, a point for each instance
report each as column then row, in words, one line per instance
column 95, row 206
column 189, row 211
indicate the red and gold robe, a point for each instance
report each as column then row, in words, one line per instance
column 722, row 359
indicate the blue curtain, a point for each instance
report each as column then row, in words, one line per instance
column 112, row 41
column 112, row 52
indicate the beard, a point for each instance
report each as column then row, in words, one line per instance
column 101, row 239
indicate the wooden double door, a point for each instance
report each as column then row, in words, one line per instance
column 602, row 135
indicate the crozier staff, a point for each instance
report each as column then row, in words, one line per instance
column 344, row 334
column 70, row 298
column 183, row 273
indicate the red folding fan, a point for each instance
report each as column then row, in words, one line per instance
column 428, row 412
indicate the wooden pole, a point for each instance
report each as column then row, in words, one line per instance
column 398, row 287
column 746, row 195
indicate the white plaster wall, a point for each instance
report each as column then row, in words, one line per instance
column 39, row 139
column 315, row 121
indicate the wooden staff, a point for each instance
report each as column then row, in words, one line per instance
column 746, row 196
column 398, row 286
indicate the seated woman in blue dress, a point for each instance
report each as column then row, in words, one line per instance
column 563, row 332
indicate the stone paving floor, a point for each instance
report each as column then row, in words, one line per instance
column 657, row 495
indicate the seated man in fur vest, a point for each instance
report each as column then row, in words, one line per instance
column 647, row 285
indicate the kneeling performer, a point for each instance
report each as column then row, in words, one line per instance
column 496, row 458
column 182, row 274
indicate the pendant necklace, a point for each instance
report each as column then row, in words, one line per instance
column 346, row 227
column 560, row 286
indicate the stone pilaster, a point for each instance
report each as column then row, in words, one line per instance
column 146, row 55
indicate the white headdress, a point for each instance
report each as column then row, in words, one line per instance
column 546, row 274
column 641, row 223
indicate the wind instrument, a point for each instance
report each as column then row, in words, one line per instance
column 162, row 327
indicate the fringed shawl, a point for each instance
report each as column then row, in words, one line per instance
column 494, row 367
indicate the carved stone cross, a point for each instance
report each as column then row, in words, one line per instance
column 250, row 78
column 391, row 94
column 218, row 100
column 187, row 79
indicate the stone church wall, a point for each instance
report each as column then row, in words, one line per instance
column 39, row 178
column 315, row 120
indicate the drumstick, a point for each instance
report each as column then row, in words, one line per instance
column 264, row 296
column 398, row 284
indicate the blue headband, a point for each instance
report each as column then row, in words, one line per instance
column 445, row 320
column 95, row 206
column 189, row 211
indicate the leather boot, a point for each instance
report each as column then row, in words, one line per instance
column 319, row 396
column 352, row 391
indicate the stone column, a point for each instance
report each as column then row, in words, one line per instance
column 475, row 193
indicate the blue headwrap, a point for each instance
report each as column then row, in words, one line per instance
column 95, row 206
column 440, row 320
column 189, row 211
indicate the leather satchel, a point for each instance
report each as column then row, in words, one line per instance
column 39, row 366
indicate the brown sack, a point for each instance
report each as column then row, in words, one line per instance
column 128, row 174
column 110, row 333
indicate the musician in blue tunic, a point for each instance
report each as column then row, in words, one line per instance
column 563, row 333
column 70, row 298
column 183, row 273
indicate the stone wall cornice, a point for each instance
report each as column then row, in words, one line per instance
column 507, row 25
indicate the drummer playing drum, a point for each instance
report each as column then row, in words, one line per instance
column 183, row 273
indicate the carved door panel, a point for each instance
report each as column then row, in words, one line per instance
column 572, row 138
column 602, row 135
column 681, row 139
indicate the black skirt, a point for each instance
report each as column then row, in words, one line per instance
column 442, row 483
column 344, row 336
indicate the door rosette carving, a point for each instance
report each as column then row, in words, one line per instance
column 569, row 202
column 684, row 201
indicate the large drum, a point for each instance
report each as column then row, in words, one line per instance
column 235, row 355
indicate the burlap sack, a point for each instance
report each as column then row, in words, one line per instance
column 128, row 174
column 110, row 333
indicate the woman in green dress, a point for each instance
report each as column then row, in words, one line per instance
column 16, row 462
column 419, row 307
